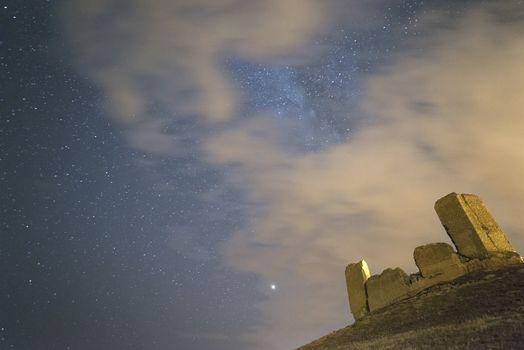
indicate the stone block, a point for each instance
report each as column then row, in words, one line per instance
column 386, row 288
column 470, row 226
column 356, row 277
column 437, row 259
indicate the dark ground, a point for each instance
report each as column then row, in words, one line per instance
column 482, row 310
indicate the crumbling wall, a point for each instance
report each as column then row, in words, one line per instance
column 384, row 289
column 480, row 242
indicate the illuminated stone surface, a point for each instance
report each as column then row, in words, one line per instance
column 478, row 238
column 356, row 277
column 470, row 226
column 436, row 259
column 386, row 288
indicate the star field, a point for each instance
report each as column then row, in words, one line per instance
column 112, row 237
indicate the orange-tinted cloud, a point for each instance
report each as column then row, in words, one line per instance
column 447, row 116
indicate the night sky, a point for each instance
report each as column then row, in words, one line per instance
column 196, row 174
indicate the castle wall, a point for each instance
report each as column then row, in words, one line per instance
column 480, row 242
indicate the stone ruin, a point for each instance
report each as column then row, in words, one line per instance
column 480, row 243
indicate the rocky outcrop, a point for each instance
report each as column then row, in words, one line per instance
column 481, row 244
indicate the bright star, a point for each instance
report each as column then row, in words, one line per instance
column 273, row 287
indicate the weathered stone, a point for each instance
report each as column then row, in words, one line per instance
column 386, row 288
column 470, row 226
column 453, row 273
column 493, row 262
column 437, row 259
column 356, row 277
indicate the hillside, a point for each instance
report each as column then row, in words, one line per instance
column 480, row 310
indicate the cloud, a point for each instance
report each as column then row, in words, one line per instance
column 446, row 115
column 183, row 241
column 159, row 61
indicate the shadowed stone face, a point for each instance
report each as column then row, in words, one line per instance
column 386, row 288
column 356, row 277
column 470, row 226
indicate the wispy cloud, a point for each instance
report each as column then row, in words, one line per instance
column 444, row 115
column 447, row 116
column 163, row 60
column 184, row 242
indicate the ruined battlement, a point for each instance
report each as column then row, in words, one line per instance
column 479, row 241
